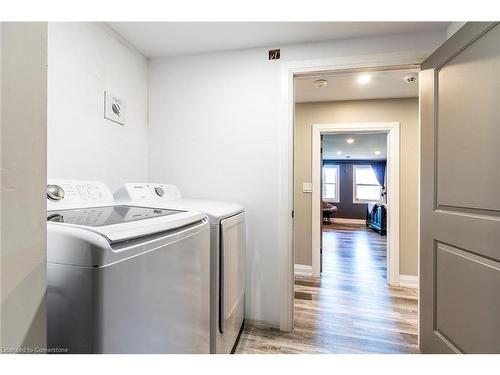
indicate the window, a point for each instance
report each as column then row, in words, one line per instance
column 366, row 186
column 330, row 183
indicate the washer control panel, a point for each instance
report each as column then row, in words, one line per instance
column 74, row 193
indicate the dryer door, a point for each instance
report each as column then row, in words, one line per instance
column 232, row 274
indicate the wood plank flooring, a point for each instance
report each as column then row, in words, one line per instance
column 351, row 309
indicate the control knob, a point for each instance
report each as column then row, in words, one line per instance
column 55, row 192
column 159, row 191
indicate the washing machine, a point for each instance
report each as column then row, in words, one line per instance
column 124, row 278
column 227, row 243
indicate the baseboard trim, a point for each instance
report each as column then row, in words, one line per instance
column 408, row 281
column 303, row 270
column 341, row 220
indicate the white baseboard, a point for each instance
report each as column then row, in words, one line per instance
column 341, row 220
column 303, row 270
column 408, row 281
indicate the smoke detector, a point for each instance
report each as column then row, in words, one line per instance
column 410, row 78
column 320, row 83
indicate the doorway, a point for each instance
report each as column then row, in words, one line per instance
column 367, row 131
column 312, row 69
column 353, row 203
column 359, row 264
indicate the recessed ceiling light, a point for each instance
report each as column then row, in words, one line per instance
column 377, row 152
column 339, row 152
column 320, row 83
column 363, row 79
column 350, row 140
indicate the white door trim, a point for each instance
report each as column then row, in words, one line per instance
column 392, row 129
column 287, row 109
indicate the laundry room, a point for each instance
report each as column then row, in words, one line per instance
column 257, row 187
column 137, row 119
column 141, row 114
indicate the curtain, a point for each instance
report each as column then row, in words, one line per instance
column 379, row 170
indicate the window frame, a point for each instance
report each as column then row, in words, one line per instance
column 337, row 184
column 354, row 186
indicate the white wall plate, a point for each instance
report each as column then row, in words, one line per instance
column 114, row 108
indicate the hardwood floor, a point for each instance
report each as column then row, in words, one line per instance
column 351, row 309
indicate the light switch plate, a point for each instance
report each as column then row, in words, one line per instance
column 307, row 187
column 114, row 108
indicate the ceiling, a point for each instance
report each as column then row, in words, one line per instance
column 363, row 148
column 157, row 39
column 381, row 85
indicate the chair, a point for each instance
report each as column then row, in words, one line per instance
column 328, row 211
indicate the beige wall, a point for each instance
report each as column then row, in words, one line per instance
column 404, row 111
column 23, row 160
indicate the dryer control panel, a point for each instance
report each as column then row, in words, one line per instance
column 74, row 193
column 150, row 192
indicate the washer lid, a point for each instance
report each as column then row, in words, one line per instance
column 123, row 222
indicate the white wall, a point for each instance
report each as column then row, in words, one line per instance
column 214, row 131
column 23, row 164
column 85, row 59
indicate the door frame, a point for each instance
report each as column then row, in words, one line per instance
column 289, row 70
column 392, row 130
